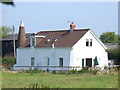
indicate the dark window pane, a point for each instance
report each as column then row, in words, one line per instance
column 82, row 62
column 32, row 61
column 90, row 42
column 87, row 42
column 60, row 62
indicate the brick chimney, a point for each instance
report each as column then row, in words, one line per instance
column 21, row 35
column 72, row 26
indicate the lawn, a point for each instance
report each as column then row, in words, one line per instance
column 21, row 80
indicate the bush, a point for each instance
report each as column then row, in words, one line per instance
column 8, row 61
column 94, row 72
column 35, row 86
column 73, row 71
column 84, row 70
column 35, row 70
column 53, row 72
column 114, row 54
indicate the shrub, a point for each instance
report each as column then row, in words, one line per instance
column 73, row 71
column 35, row 86
column 53, row 72
column 8, row 61
column 84, row 70
column 114, row 54
column 94, row 72
column 35, row 70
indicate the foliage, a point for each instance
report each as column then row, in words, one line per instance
column 15, row 80
column 8, row 3
column 114, row 54
column 35, row 70
column 8, row 61
column 73, row 71
column 53, row 72
column 109, row 37
column 36, row 85
column 84, row 70
column 4, row 31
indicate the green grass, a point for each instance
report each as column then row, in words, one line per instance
column 21, row 80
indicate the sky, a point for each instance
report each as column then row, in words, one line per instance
column 45, row 16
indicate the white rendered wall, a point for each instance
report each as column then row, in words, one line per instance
column 41, row 54
column 81, row 51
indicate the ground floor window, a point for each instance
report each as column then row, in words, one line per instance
column 32, row 61
column 60, row 62
column 48, row 61
column 82, row 62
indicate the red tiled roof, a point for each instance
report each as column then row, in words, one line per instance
column 65, row 38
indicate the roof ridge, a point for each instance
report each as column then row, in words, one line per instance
column 64, row 30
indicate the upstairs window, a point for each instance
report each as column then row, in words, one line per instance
column 33, row 41
column 87, row 42
column 90, row 42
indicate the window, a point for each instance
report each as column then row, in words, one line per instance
column 90, row 42
column 87, row 42
column 82, row 62
column 49, row 40
column 33, row 41
column 60, row 62
column 32, row 61
column 48, row 61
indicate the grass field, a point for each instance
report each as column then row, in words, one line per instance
column 21, row 80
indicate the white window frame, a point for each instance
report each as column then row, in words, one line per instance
column 31, row 41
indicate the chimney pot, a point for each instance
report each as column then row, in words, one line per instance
column 72, row 26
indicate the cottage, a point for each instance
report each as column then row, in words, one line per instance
column 73, row 47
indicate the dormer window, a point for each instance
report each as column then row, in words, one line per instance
column 35, row 38
column 55, row 39
column 33, row 41
column 49, row 40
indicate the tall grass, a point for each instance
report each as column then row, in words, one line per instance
column 84, row 80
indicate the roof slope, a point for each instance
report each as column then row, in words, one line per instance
column 63, row 38
column 10, row 36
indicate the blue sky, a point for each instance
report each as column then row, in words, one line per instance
column 39, row 16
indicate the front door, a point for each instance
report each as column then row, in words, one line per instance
column 89, row 62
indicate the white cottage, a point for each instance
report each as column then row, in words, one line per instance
column 73, row 47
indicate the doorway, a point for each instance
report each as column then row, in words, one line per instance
column 89, row 62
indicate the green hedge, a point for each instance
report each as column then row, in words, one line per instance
column 114, row 54
column 8, row 61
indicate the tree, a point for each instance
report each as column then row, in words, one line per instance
column 114, row 54
column 4, row 31
column 8, row 2
column 109, row 37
